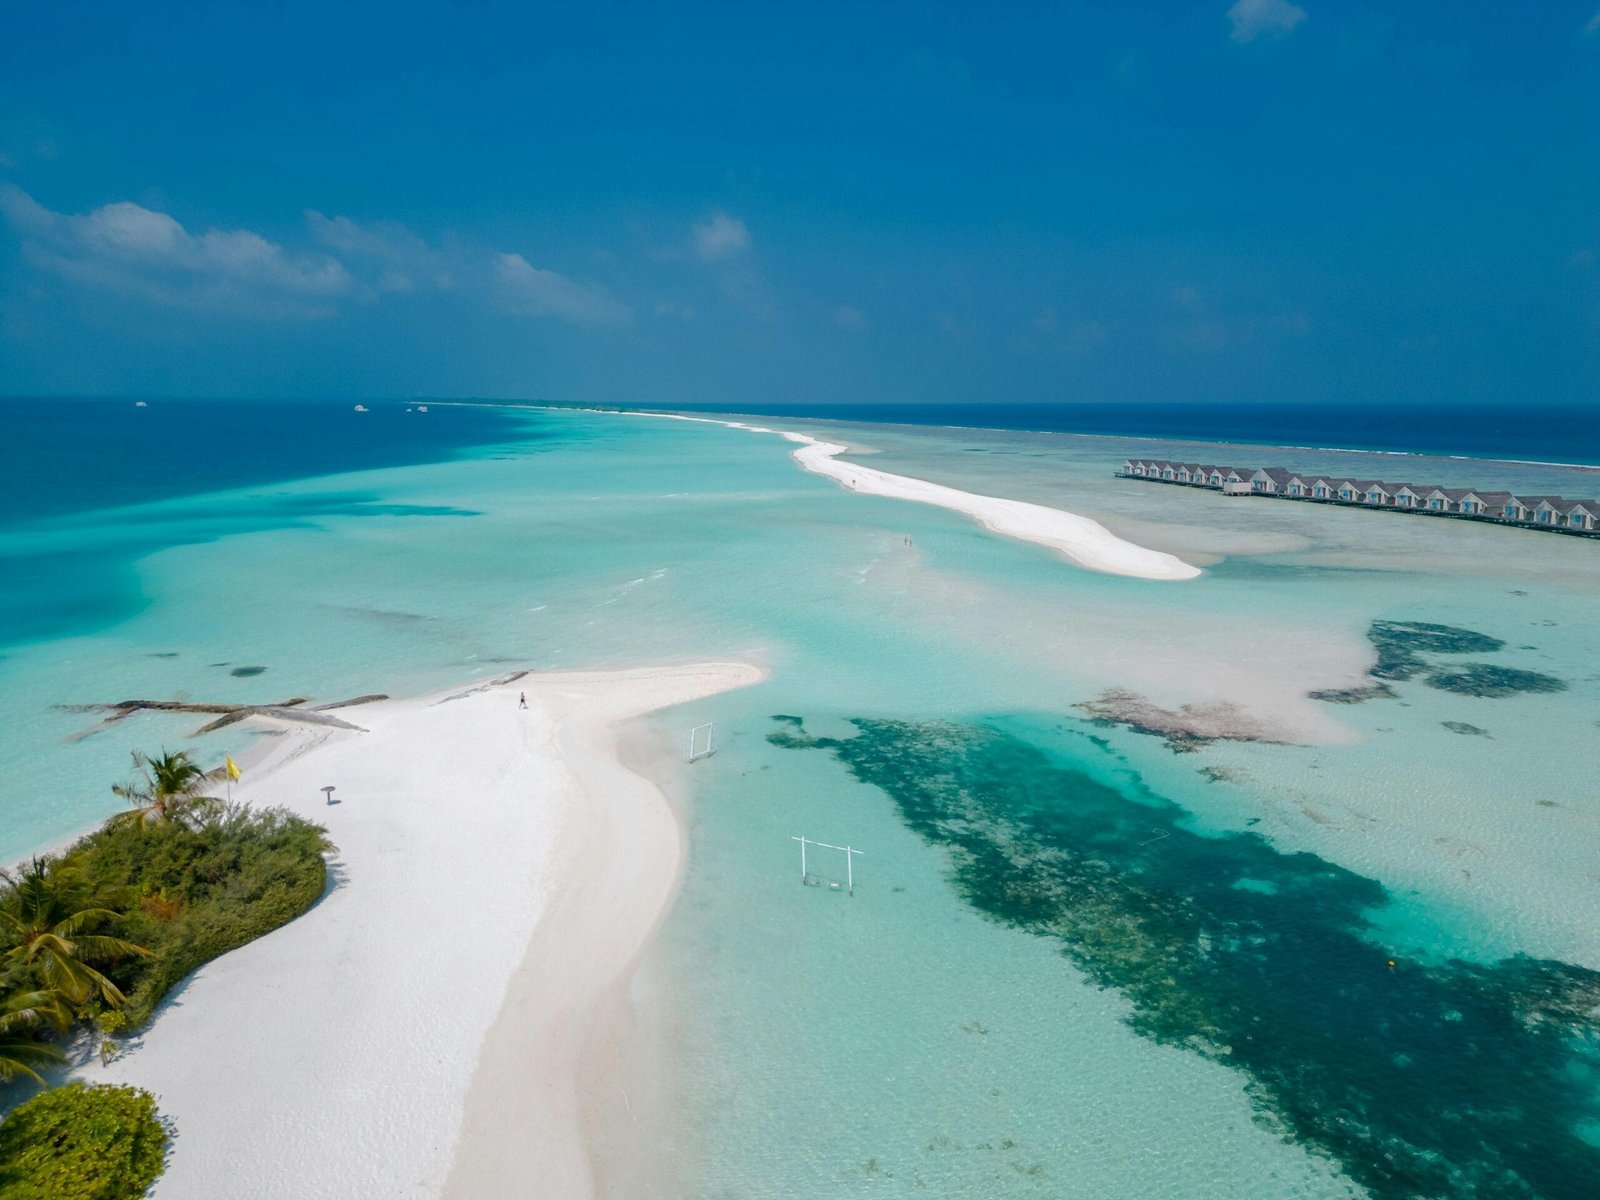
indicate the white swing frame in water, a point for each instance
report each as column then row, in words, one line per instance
column 806, row 878
column 694, row 738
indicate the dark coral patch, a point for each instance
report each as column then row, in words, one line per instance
column 1426, row 638
column 1404, row 653
column 1481, row 679
column 1356, row 695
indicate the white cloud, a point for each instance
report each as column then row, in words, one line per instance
column 720, row 238
column 534, row 291
column 1257, row 18
column 386, row 255
column 1593, row 26
column 135, row 251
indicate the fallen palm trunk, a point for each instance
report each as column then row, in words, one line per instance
column 227, row 714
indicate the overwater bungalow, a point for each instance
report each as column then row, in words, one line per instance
column 1271, row 481
column 1376, row 492
column 1528, row 508
column 1551, row 510
column 1546, row 512
column 1482, row 503
column 1584, row 514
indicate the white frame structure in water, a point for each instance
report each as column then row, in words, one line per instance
column 806, row 878
column 696, row 750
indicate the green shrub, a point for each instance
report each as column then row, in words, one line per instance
column 82, row 1143
column 203, row 890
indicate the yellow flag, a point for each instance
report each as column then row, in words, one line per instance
column 233, row 767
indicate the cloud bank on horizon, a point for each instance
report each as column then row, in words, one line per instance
column 1262, row 200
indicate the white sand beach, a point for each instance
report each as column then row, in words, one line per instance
column 422, row 1030
column 1085, row 542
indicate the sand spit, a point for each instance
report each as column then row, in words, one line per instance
column 1085, row 542
column 498, row 872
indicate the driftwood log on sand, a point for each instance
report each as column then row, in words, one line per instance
column 227, row 714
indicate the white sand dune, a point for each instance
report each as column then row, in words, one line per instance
column 1087, row 543
column 420, row 1029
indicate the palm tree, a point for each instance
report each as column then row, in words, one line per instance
column 44, row 910
column 168, row 788
column 21, row 1053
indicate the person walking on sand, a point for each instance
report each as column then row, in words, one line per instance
column 522, row 699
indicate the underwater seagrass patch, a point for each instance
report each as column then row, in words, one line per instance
column 1407, row 650
column 1421, row 1079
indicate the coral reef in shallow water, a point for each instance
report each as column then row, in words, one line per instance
column 1407, row 649
column 1185, row 728
column 1421, row 1079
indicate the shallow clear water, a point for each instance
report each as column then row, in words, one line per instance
column 920, row 1038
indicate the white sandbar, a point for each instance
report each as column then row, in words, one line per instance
column 1087, row 543
column 419, row 1031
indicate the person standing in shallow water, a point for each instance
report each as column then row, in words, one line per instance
column 522, row 699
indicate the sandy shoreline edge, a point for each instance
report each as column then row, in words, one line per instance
column 426, row 1029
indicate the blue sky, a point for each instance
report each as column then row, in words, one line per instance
column 1211, row 201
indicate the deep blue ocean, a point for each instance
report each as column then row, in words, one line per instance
column 63, row 461
column 61, row 456
column 1527, row 432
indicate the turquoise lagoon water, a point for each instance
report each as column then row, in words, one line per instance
column 1077, row 963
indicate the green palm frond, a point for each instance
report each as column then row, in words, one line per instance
column 21, row 1016
column 20, row 1055
column 82, row 919
column 168, row 789
column 46, row 906
column 95, row 947
column 26, row 1011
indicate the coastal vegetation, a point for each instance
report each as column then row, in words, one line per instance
column 1264, row 961
column 82, row 1143
column 93, row 938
